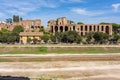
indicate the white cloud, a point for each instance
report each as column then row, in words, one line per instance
column 1, row 15
column 81, row 11
column 116, row 6
column 22, row 7
column 71, row 0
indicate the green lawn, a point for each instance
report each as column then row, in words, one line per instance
column 59, row 50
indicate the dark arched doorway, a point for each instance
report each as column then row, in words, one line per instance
column 61, row 28
column 107, row 29
column 73, row 28
column 56, row 29
column 66, row 28
column 90, row 28
column 86, row 28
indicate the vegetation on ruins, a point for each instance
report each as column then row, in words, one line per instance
column 66, row 37
column 7, row 36
column 80, row 23
column 116, row 27
column 45, row 38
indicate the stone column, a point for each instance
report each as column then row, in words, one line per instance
column 92, row 28
column 100, row 28
column 88, row 28
column 110, row 29
column 96, row 28
column 63, row 28
column 104, row 29
column 58, row 28
column 83, row 29
column 53, row 29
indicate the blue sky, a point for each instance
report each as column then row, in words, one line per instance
column 87, row 11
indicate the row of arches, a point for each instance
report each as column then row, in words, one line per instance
column 94, row 28
column 86, row 28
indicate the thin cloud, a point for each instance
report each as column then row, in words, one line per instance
column 23, row 7
column 67, row 1
column 116, row 7
column 81, row 11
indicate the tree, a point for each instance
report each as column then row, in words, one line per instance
column 18, row 29
column 29, row 40
column 9, row 21
column 89, row 37
column 11, row 39
column 78, row 39
column 71, row 36
column 104, row 23
column 53, row 38
column 41, row 30
column 15, row 18
column 58, row 36
column 4, row 30
column 80, row 23
column 35, row 40
column 100, row 37
column 21, row 18
column 116, row 38
column 45, row 38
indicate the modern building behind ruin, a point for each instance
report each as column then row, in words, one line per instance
column 30, row 25
column 62, row 25
column 31, row 30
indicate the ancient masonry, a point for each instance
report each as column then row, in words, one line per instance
column 32, row 27
column 62, row 25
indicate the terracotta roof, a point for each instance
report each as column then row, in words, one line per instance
column 31, row 33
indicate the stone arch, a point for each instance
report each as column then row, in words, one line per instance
column 81, row 28
column 102, row 28
column 85, row 27
column 90, row 28
column 61, row 28
column 66, row 28
column 94, row 28
column 73, row 28
column 98, row 28
column 107, row 29
column 52, row 29
column 56, row 28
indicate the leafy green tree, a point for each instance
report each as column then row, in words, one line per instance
column 53, row 38
column 71, row 36
column 80, row 23
column 18, row 29
column 78, row 39
column 21, row 18
column 45, row 38
column 4, row 30
column 11, row 39
column 89, row 37
column 15, row 18
column 58, row 36
column 100, row 37
column 29, row 40
column 116, row 38
column 104, row 23
column 35, row 40
column 41, row 30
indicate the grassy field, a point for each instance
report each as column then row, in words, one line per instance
column 58, row 50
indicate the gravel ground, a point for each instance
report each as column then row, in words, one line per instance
column 66, row 68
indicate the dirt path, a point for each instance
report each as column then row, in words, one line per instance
column 66, row 68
